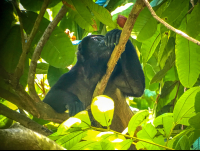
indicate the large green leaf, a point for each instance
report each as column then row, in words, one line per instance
column 187, row 59
column 81, row 15
column 184, row 108
column 174, row 10
column 145, row 25
column 58, row 50
column 149, row 46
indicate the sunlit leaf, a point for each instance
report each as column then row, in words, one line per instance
column 84, row 117
column 72, row 121
column 101, row 112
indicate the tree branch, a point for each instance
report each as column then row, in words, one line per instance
column 23, row 120
column 26, row 46
column 38, row 50
column 126, row 32
column 20, row 138
column 169, row 26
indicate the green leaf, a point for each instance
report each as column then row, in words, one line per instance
column 106, row 145
column 148, row 133
column 169, row 48
column 81, row 15
column 169, row 64
column 5, row 122
column 42, row 68
column 149, row 46
column 187, row 59
column 81, row 120
column 167, row 88
column 136, row 120
column 56, row 9
column 164, row 39
column 58, row 50
column 145, row 25
column 150, row 73
column 167, row 121
column 147, row 146
column 172, row 143
column 194, row 121
column 101, row 112
column 197, row 102
column 101, row 13
column 54, row 74
column 85, row 119
column 184, row 108
column 174, row 10
column 183, row 143
column 64, row 127
column 11, row 50
column 71, row 139
column 193, row 25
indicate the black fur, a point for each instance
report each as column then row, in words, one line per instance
column 74, row 89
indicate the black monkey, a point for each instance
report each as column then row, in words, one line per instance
column 74, row 89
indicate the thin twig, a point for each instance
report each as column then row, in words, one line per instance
column 38, row 50
column 126, row 32
column 169, row 26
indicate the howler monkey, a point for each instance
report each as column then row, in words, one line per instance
column 76, row 87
